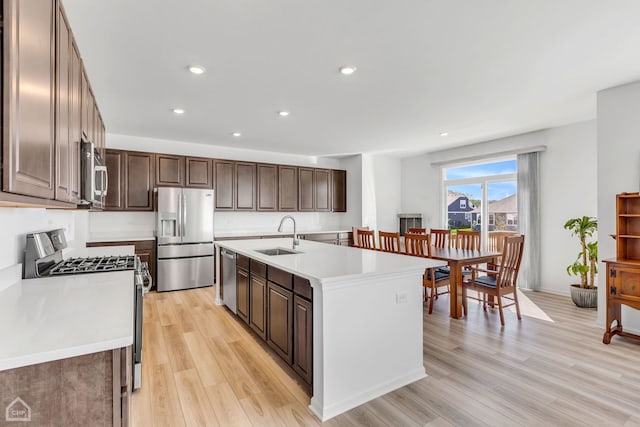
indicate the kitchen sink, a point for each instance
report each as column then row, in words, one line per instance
column 277, row 251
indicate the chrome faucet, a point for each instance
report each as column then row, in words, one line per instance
column 296, row 242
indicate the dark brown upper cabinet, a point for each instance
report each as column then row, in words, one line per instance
column 306, row 190
column 169, row 170
column 29, row 115
column 224, row 184
column 245, row 194
column 138, row 181
column 114, row 160
column 339, row 190
column 199, row 173
column 267, row 187
column 131, row 178
column 322, row 190
column 63, row 142
column 75, row 127
column 287, row 188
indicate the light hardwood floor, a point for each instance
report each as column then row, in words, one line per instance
column 201, row 366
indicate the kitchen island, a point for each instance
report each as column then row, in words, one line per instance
column 367, row 310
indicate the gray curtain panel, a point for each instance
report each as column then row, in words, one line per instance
column 529, row 219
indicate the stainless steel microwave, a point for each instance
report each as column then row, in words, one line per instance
column 94, row 176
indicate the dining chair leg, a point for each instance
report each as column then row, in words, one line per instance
column 501, row 310
column 515, row 298
column 433, row 291
column 484, row 300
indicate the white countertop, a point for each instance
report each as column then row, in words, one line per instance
column 119, row 237
column 55, row 318
column 322, row 262
column 249, row 233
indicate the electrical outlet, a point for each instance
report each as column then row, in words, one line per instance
column 402, row 298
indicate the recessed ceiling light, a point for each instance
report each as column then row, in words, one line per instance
column 236, row 134
column 444, row 133
column 197, row 69
column 178, row 110
column 348, row 70
column 283, row 113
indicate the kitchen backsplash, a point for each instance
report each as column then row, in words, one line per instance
column 142, row 223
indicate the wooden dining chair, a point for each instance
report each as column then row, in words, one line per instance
column 440, row 238
column 389, row 241
column 467, row 240
column 417, row 230
column 366, row 239
column 501, row 282
column 432, row 279
column 355, row 231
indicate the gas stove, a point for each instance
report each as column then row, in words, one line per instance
column 94, row 265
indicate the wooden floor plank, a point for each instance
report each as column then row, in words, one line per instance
column 193, row 400
column 227, row 406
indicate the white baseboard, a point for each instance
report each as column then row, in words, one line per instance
column 337, row 408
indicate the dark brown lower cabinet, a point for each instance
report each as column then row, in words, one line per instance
column 88, row 390
column 257, row 306
column 278, row 307
column 303, row 338
column 242, row 290
column 280, row 321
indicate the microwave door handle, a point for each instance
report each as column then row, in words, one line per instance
column 103, row 174
column 105, row 185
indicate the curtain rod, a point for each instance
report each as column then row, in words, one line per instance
column 535, row 149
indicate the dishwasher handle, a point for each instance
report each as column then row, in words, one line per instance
column 228, row 254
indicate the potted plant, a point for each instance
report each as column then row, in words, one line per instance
column 584, row 294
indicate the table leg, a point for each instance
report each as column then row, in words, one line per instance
column 455, row 280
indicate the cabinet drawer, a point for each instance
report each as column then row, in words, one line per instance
column 258, row 268
column 302, row 287
column 242, row 262
column 280, row 277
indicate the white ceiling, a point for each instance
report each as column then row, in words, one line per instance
column 478, row 69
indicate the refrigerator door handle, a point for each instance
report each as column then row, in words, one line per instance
column 179, row 215
column 184, row 214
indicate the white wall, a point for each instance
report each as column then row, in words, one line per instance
column 17, row 222
column 618, row 172
column 568, row 188
column 387, row 178
column 137, row 143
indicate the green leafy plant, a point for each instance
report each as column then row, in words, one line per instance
column 586, row 263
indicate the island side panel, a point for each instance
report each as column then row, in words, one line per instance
column 367, row 339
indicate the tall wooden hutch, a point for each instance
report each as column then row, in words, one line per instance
column 623, row 272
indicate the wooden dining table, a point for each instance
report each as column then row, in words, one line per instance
column 457, row 259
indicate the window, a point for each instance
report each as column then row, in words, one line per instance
column 486, row 189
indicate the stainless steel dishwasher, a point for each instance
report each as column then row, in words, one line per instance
column 229, row 278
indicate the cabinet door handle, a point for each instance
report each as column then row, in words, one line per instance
column 613, row 290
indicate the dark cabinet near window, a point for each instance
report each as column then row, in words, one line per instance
column 322, row 190
column 199, row 173
column 131, row 176
column 29, row 126
column 245, row 191
column 306, row 193
column 339, row 190
column 267, row 187
column 287, row 188
column 169, row 170
column 224, row 184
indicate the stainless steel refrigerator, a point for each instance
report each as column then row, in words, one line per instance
column 184, row 232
